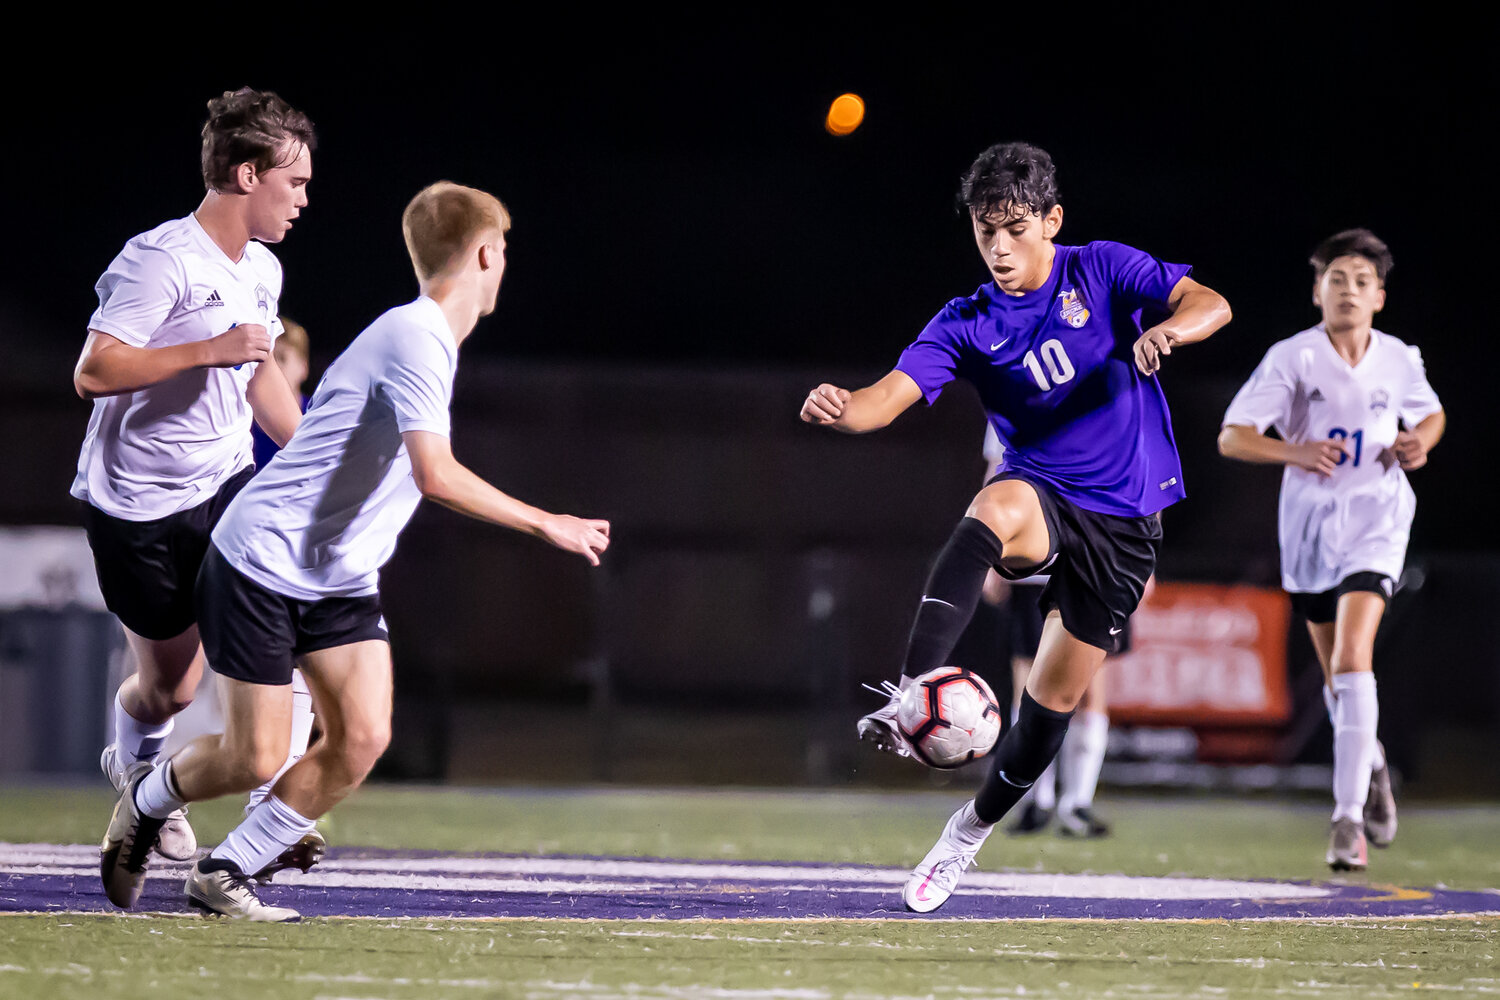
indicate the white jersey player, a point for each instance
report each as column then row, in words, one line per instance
column 173, row 364
column 1354, row 412
column 293, row 574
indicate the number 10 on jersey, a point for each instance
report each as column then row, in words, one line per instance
column 1058, row 365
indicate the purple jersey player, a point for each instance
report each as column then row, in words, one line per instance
column 1055, row 346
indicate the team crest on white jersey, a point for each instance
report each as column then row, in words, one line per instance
column 263, row 298
column 1074, row 312
column 1379, row 400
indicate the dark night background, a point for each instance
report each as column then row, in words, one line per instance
column 691, row 252
column 678, row 203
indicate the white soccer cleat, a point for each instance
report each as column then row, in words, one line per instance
column 176, row 842
column 1347, row 850
column 937, row 876
column 218, row 886
column 880, row 728
column 1380, row 807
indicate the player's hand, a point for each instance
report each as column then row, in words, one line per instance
column 586, row 537
column 1155, row 344
column 1409, row 450
column 240, row 344
column 825, row 404
column 1321, row 457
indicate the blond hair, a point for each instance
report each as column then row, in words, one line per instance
column 294, row 336
column 445, row 220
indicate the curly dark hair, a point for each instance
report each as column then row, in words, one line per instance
column 1353, row 243
column 1013, row 179
column 251, row 126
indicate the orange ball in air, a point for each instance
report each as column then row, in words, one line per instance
column 845, row 114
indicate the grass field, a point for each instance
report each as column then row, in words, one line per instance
column 76, row 955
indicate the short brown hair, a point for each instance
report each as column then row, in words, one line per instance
column 444, row 220
column 294, row 335
column 251, row 126
column 1353, row 243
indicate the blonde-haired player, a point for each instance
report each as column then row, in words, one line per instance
column 292, row 577
column 1338, row 394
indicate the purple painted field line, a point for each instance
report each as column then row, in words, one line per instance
column 429, row 885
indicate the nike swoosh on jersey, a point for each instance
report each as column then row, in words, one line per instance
column 996, row 347
column 938, row 600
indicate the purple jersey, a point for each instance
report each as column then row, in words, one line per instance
column 1056, row 373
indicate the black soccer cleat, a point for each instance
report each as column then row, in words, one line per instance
column 302, row 855
column 1033, row 819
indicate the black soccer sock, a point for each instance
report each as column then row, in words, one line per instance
column 1023, row 754
column 952, row 591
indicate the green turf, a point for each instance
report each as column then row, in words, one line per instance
column 1251, row 837
column 164, row 958
column 157, row 958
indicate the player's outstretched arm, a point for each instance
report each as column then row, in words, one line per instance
column 863, row 410
column 1244, row 443
column 444, row 479
column 1197, row 311
column 273, row 403
column 110, row 367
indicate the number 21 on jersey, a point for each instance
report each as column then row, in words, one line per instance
column 1059, row 367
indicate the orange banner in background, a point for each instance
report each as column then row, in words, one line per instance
column 1204, row 655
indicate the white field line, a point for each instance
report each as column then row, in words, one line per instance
column 540, row 875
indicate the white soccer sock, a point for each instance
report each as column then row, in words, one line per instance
column 302, row 723
column 1081, row 758
column 970, row 830
column 138, row 740
column 271, row 828
column 157, row 795
column 1044, row 789
column 1354, row 725
column 1330, row 702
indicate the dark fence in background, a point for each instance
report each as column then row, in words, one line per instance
column 759, row 571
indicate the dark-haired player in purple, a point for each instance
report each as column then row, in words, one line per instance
column 1055, row 347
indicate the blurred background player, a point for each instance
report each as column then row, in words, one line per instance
column 373, row 445
column 1081, row 757
column 292, row 354
column 187, row 313
column 1065, row 373
column 1354, row 412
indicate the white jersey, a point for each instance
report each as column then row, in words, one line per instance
column 323, row 515
column 1359, row 518
column 171, row 446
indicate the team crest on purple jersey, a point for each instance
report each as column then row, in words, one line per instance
column 1074, row 312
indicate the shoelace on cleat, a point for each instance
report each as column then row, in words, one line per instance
column 886, row 688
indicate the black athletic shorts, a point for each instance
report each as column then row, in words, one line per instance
column 1323, row 607
column 147, row 569
column 255, row 635
column 1098, row 565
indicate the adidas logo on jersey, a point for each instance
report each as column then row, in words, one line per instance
column 1316, row 396
column 213, row 299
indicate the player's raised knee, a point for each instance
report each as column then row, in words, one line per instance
column 1005, row 507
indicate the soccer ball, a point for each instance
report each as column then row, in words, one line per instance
column 949, row 716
